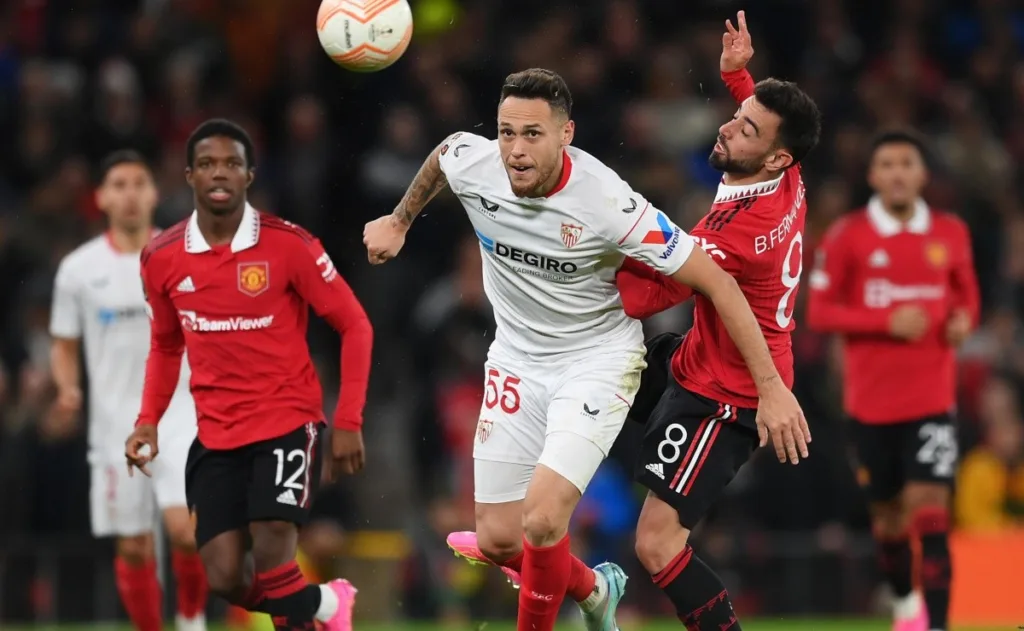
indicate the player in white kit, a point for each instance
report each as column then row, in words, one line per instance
column 98, row 301
column 554, row 225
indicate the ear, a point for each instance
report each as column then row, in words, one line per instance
column 249, row 177
column 568, row 132
column 188, row 175
column 778, row 161
column 98, row 196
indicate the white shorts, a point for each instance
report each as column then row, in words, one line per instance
column 125, row 506
column 564, row 413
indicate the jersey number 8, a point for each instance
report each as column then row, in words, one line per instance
column 790, row 279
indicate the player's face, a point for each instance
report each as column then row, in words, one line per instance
column 128, row 195
column 531, row 137
column 747, row 144
column 898, row 174
column 219, row 175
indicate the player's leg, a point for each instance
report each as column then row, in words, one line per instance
column 930, row 458
column 879, row 453
column 121, row 507
column 285, row 476
column 692, row 449
column 169, row 486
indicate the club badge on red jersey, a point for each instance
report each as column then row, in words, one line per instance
column 253, row 278
column 937, row 254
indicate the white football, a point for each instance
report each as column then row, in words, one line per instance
column 364, row 35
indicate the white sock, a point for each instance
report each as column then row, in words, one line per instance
column 908, row 607
column 596, row 597
column 328, row 604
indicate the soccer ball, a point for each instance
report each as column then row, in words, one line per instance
column 364, row 35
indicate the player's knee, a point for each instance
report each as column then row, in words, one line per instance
column 543, row 527
column 224, row 578
column 499, row 545
column 927, row 508
column 135, row 550
column 273, row 543
column 659, row 539
column 888, row 520
column 182, row 537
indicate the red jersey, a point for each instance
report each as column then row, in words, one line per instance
column 241, row 311
column 868, row 265
column 754, row 232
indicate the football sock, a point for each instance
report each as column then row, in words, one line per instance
column 931, row 525
column 895, row 560
column 191, row 579
column 289, row 599
column 583, row 583
column 140, row 594
column 702, row 602
column 546, row 572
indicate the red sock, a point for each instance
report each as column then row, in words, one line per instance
column 546, row 573
column 191, row 579
column 140, row 594
column 581, row 578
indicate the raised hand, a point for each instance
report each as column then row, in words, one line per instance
column 737, row 48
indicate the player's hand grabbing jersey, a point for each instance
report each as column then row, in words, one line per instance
column 242, row 310
column 549, row 263
column 755, row 233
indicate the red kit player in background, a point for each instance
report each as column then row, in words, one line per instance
column 897, row 281
column 697, row 399
column 233, row 286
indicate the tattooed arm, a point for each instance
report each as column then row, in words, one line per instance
column 425, row 186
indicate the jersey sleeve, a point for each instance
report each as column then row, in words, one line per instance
column 831, row 306
column 317, row 281
column 740, row 84
column 66, row 307
column 166, row 346
column 641, row 231
column 458, row 153
column 963, row 277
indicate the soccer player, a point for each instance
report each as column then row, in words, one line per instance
column 897, row 281
column 554, row 225
column 233, row 286
column 701, row 408
column 97, row 299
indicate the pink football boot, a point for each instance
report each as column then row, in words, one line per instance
column 342, row 620
column 463, row 544
column 910, row 614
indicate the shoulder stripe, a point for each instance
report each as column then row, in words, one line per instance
column 168, row 237
column 273, row 222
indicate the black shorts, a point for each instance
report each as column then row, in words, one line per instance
column 692, row 449
column 655, row 377
column 272, row 480
column 923, row 450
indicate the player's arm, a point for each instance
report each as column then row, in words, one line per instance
column 318, row 283
column 829, row 308
column 66, row 333
column 429, row 181
column 166, row 347
column 644, row 291
column 737, row 50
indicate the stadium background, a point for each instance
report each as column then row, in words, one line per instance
column 79, row 78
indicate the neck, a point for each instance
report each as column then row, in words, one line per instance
column 740, row 179
column 903, row 212
column 129, row 241
column 219, row 229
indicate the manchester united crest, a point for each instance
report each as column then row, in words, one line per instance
column 253, row 278
column 937, row 254
column 571, row 234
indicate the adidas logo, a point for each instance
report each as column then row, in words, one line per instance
column 878, row 258
column 657, row 469
column 186, row 286
column 288, row 497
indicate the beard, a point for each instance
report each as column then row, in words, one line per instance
column 726, row 164
column 529, row 189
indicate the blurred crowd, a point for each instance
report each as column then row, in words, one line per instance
column 80, row 78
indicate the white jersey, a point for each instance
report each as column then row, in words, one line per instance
column 98, row 298
column 549, row 263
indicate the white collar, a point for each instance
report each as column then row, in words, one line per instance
column 887, row 225
column 247, row 235
column 731, row 193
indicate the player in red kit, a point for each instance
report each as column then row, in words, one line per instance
column 897, row 281
column 233, row 286
column 700, row 405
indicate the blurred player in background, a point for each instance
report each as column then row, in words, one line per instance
column 233, row 286
column 699, row 404
column 554, row 225
column 897, row 281
column 98, row 300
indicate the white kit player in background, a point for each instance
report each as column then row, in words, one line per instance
column 98, row 301
column 554, row 225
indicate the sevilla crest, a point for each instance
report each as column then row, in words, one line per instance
column 253, row 278
column 571, row 234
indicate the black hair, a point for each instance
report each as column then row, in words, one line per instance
column 800, row 128
column 220, row 127
column 539, row 83
column 119, row 157
column 901, row 137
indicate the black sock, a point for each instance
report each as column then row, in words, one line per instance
column 701, row 601
column 290, row 601
column 932, row 526
column 895, row 560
